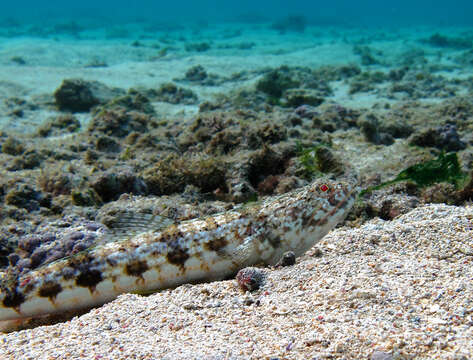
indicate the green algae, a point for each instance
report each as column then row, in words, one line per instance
column 445, row 168
column 317, row 160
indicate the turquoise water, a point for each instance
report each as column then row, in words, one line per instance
column 347, row 12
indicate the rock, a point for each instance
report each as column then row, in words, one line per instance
column 196, row 73
column 38, row 257
column 397, row 129
column 109, row 186
column 119, row 122
column 136, row 100
column 370, row 127
column 439, row 193
column 444, row 137
column 107, row 144
column 12, row 146
column 305, row 112
column 29, row 160
column 332, row 117
column 288, row 259
column 79, row 95
column 173, row 173
column 63, row 124
column 397, row 204
column 250, row 278
column 13, row 259
column 275, row 82
column 173, row 94
column 24, row 196
column 298, row 97
column 29, row 243
column 56, row 182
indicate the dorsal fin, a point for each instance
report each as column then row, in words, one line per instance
column 129, row 224
column 121, row 228
column 133, row 222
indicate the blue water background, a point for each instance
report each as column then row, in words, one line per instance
column 335, row 12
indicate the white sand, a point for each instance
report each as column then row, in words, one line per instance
column 403, row 288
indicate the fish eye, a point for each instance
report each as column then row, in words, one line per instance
column 324, row 188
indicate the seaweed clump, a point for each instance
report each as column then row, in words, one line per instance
column 445, row 168
column 275, row 82
column 65, row 123
column 12, row 146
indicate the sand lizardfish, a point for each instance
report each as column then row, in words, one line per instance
column 198, row 250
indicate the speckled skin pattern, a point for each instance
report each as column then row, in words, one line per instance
column 198, row 250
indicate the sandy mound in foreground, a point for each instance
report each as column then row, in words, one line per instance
column 388, row 290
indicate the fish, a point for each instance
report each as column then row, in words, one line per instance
column 193, row 251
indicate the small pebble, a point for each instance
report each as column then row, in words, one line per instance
column 288, row 259
column 250, row 278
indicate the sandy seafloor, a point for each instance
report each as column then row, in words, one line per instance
column 397, row 288
column 388, row 290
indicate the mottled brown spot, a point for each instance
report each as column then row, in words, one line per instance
column 332, row 199
column 236, row 265
column 156, row 253
column 293, row 213
column 78, row 261
column 177, row 255
column 274, row 240
column 204, row 267
column 68, row 273
column 306, row 220
column 89, row 278
column 165, row 237
column 171, row 232
column 261, row 218
column 318, row 222
column 111, row 262
column 13, row 299
column 29, row 288
column 216, row 244
column 136, row 268
column 249, row 230
column 343, row 203
column 211, row 223
column 50, row 289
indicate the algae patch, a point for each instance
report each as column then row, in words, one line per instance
column 444, row 168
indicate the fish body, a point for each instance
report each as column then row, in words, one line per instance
column 198, row 250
